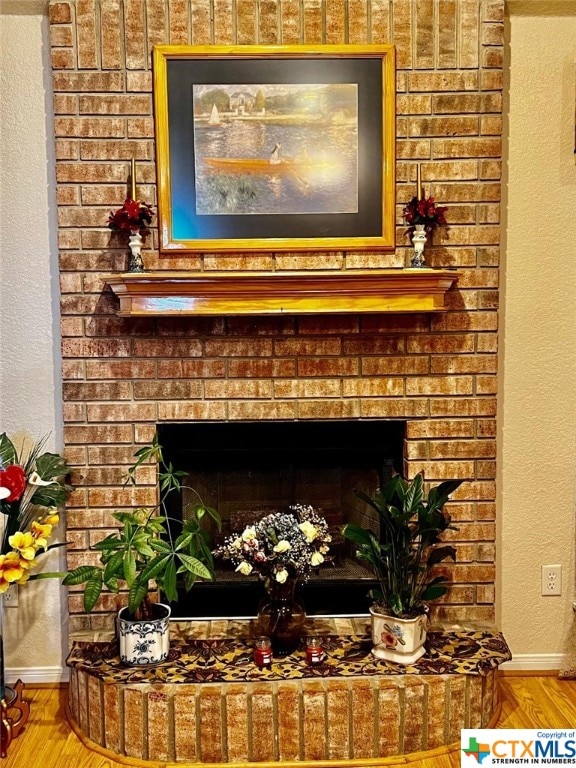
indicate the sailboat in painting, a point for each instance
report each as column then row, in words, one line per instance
column 214, row 118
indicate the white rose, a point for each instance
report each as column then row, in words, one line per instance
column 281, row 576
column 249, row 533
column 237, row 543
column 317, row 558
column 310, row 531
column 282, row 546
column 244, row 568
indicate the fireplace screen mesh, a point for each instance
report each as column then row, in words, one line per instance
column 249, row 470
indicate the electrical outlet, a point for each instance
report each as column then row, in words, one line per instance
column 551, row 579
column 11, row 596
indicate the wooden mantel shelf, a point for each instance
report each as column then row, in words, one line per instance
column 275, row 293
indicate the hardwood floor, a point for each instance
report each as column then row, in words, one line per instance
column 49, row 742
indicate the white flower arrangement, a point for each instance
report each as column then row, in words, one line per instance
column 280, row 546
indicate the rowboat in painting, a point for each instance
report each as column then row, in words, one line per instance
column 259, row 165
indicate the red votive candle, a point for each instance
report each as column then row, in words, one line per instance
column 314, row 651
column 263, row 652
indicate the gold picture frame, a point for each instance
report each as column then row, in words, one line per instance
column 275, row 148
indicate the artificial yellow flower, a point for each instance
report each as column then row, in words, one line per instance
column 52, row 517
column 249, row 534
column 24, row 544
column 40, row 534
column 310, row 531
column 25, row 576
column 12, row 569
column 281, row 576
column 316, row 559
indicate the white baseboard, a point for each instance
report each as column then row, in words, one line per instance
column 33, row 675
column 534, row 662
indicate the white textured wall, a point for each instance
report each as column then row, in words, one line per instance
column 29, row 348
column 537, row 459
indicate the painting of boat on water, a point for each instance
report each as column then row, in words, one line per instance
column 275, row 149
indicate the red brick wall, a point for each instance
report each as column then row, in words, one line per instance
column 122, row 376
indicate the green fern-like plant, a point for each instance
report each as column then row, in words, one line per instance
column 408, row 545
column 143, row 549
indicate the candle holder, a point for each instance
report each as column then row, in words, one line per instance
column 135, row 217
column 263, row 651
column 419, row 241
column 423, row 216
column 314, row 651
column 136, row 263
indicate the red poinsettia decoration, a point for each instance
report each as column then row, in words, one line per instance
column 424, row 211
column 134, row 216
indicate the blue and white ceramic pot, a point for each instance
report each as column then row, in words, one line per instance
column 144, row 642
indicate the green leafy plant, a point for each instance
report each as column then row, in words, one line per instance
column 408, row 545
column 144, row 548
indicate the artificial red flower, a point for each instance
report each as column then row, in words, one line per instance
column 424, row 211
column 134, row 216
column 14, row 479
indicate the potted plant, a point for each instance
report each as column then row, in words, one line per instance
column 402, row 555
column 142, row 550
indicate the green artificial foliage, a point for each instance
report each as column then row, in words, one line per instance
column 408, row 546
column 143, row 549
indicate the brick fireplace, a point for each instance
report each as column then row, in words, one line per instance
column 434, row 371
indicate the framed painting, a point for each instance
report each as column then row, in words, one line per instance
column 277, row 148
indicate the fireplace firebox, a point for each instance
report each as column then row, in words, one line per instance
column 248, row 469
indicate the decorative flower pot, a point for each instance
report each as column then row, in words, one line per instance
column 418, row 241
column 399, row 640
column 144, row 642
column 281, row 617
